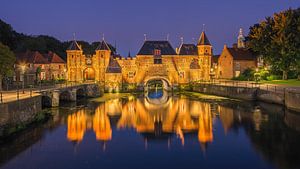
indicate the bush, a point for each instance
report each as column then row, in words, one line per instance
column 273, row 77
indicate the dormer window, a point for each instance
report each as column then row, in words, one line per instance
column 157, row 56
column 157, row 52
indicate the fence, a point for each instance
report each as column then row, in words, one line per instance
column 21, row 93
column 247, row 84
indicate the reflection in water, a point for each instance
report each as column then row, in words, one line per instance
column 250, row 135
column 76, row 126
column 177, row 115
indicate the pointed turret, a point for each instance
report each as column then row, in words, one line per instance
column 204, row 55
column 74, row 55
column 241, row 39
column 203, row 40
column 103, row 46
column 74, row 46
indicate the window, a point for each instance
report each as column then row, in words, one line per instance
column 157, row 56
column 157, row 52
column 21, row 78
column 237, row 66
column 181, row 75
column 130, row 74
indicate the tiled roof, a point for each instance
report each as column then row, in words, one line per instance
column 113, row 66
column 203, row 40
column 54, row 58
column 241, row 54
column 74, row 46
column 188, row 49
column 194, row 64
column 164, row 47
column 31, row 57
column 103, row 46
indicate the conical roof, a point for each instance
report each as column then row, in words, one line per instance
column 103, row 46
column 203, row 40
column 74, row 46
column 113, row 66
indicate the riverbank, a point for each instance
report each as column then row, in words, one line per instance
column 289, row 97
column 18, row 115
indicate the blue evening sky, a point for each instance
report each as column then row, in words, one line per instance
column 126, row 21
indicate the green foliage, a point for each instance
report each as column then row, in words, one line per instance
column 273, row 77
column 19, row 42
column 277, row 40
column 247, row 75
column 7, row 60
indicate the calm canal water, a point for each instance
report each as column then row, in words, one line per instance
column 159, row 131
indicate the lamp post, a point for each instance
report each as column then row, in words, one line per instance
column 23, row 73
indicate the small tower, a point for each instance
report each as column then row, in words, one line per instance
column 104, row 52
column 204, row 54
column 241, row 39
column 74, row 57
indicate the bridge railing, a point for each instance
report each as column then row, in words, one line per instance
column 22, row 93
column 248, row 84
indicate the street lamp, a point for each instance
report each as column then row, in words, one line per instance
column 23, row 73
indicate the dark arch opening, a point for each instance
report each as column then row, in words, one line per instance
column 65, row 96
column 80, row 93
column 46, row 102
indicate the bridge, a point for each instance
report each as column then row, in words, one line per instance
column 52, row 97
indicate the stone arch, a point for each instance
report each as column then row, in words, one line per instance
column 80, row 93
column 158, row 101
column 65, row 96
column 89, row 74
column 46, row 101
column 166, row 82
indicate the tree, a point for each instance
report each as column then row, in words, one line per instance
column 7, row 60
column 277, row 40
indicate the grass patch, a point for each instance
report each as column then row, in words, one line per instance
column 204, row 97
column 291, row 82
column 110, row 96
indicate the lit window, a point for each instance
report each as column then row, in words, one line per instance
column 181, row 75
column 157, row 56
column 130, row 74
column 157, row 52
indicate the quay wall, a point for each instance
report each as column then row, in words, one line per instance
column 13, row 114
column 289, row 97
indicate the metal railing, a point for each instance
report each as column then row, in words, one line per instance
column 15, row 95
column 247, row 84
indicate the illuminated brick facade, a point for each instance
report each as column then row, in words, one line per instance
column 156, row 60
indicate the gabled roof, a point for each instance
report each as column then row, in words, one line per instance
column 74, row 46
column 188, row 49
column 194, row 64
column 241, row 54
column 113, row 66
column 203, row 40
column 149, row 47
column 33, row 57
column 103, row 46
column 53, row 57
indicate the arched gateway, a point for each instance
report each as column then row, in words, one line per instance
column 155, row 61
column 166, row 84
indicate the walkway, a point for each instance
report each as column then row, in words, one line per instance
column 13, row 95
column 277, row 88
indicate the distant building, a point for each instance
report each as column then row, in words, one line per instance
column 234, row 61
column 156, row 60
column 31, row 66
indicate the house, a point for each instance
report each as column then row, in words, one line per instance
column 235, row 60
column 31, row 66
